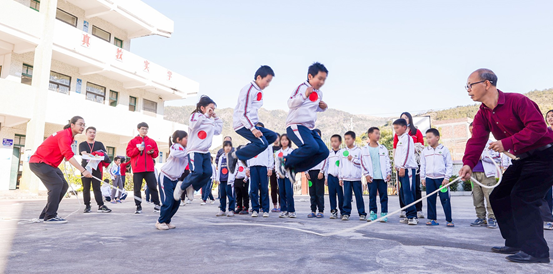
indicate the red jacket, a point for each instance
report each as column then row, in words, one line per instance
column 55, row 148
column 124, row 168
column 144, row 162
column 417, row 138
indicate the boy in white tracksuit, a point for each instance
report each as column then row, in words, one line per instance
column 436, row 169
column 331, row 169
column 259, row 170
column 245, row 117
column 285, row 187
column 304, row 103
column 485, row 172
column 406, row 165
column 350, row 175
column 225, row 177
column 375, row 162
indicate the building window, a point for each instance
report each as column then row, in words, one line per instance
column 66, row 17
column 149, row 106
column 118, row 42
column 113, row 96
column 19, row 140
column 132, row 103
column 59, row 82
column 95, row 93
column 111, row 152
column 100, row 33
column 35, row 4
column 27, row 74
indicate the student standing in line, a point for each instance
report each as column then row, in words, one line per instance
column 259, row 170
column 316, row 177
column 90, row 146
column 350, row 177
column 405, row 164
column 273, row 180
column 285, row 186
column 331, row 169
column 45, row 162
column 436, row 169
column 225, row 177
column 115, row 172
column 375, row 162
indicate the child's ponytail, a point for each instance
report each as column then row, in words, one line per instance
column 204, row 102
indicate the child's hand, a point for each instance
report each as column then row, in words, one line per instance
column 270, row 172
column 388, row 178
column 423, row 182
column 151, row 151
column 214, row 115
column 307, row 176
column 281, row 176
column 402, row 172
column 257, row 133
column 323, row 105
column 248, row 172
column 350, row 158
column 369, row 179
column 445, row 182
column 341, row 183
column 326, row 182
column 308, row 91
column 320, row 176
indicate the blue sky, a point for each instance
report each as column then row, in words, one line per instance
column 384, row 57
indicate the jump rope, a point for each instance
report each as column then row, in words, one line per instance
column 342, row 231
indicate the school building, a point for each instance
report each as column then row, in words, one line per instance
column 64, row 58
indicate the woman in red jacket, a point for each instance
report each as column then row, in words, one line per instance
column 44, row 164
column 418, row 139
column 143, row 151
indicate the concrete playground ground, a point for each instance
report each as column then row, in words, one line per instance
column 122, row 242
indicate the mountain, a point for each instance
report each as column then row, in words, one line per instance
column 330, row 122
column 544, row 99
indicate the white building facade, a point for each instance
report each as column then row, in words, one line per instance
column 64, row 58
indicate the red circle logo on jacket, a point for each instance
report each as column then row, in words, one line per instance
column 281, row 154
column 259, row 96
column 313, row 96
column 202, row 134
column 240, row 169
column 224, row 170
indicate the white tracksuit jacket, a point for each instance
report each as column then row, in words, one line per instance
column 367, row 163
column 350, row 170
column 303, row 110
column 176, row 162
column 405, row 153
column 250, row 100
column 332, row 164
column 201, row 130
column 436, row 163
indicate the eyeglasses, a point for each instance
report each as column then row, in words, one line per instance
column 469, row 86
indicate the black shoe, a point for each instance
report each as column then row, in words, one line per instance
column 505, row 249
column 522, row 257
column 104, row 209
column 138, row 210
column 87, row 209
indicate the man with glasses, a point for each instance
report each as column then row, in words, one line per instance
column 518, row 125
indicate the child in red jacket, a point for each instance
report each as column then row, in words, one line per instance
column 142, row 151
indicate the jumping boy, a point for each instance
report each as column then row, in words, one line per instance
column 245, row 118
column 378, row 172
column 331, row 169
column 350, row 176
column 436, row 169
column 406, row 166
column 304, row 104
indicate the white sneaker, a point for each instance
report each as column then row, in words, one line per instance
column 202, row 203
column 548, row 226
column 283, row 214
column 212, row 201
column 230, row 213
column 265, row 214
column 403, row 220
column 413, row 221
column 255, row 214
column 292, row 215
column 170, row 226
column 178, row 191
column 161, row 226
column 420, row 215
column 221, row 213
column 182, row 203
column 402, row 214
